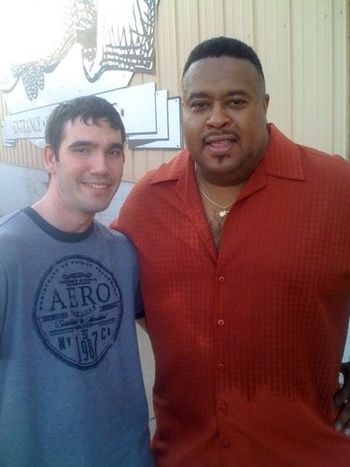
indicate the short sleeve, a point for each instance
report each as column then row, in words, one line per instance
column 139, row 308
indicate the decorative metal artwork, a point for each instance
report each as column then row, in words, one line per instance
column 113, row 35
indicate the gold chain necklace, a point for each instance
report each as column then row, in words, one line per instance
column 224, row 210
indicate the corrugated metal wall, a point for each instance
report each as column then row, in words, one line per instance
column 304, row 49
column 23, row 154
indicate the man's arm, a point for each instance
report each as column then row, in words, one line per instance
column 142, row 322
column 342, row 402
column 3, row 296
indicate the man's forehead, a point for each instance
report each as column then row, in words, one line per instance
column 82, row 121
column 89, row 129
column 213, row 71
column 81, row 124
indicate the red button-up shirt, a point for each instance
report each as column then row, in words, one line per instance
column 248, row 339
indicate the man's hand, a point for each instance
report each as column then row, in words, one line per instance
column 342, row 402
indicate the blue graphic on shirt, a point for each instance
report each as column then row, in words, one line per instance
column 78, row 310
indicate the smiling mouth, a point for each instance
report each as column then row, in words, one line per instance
column 97, row 186
column 220, row 142
column 220, row 145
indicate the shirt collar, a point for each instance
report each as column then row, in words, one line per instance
column 282, row 158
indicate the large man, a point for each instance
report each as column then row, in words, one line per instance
column 244, row 244
column 71, row 389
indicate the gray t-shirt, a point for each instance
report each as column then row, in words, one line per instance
column 71, row 388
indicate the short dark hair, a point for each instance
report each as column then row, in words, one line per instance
column 87, row 108
column 224, row 46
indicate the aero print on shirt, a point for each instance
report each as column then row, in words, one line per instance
column 78, row 310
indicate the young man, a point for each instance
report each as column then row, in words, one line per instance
column 71, row 389
column 244, row 245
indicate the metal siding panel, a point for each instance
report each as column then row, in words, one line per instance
column 239, row 20
column 297, row 69
column 319, row 76
column 140, row 163
column 24, row 153
column 211, row 18
column 167, row 46
column 272, row 43
column 340, row 123
column 303, row 46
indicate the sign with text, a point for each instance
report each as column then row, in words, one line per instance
column 94, row 47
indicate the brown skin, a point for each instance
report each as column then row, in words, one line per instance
column 341, row 402
column 224, row 123
column 224, row 118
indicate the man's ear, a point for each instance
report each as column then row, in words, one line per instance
column 49, row 159
column 266, row 102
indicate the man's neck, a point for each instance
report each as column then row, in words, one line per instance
column 66, row 221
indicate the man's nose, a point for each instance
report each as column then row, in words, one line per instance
column 99, row 162
column 218, row 117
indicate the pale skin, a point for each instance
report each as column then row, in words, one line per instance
column 84, row 178
column 84, row 175
column 224, row 122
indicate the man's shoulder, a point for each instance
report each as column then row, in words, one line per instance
column 323, row 157
column 13, row 234
column 169, row 171
column 324, row 165
column 9, row 218
column 115, row 237
column 312, row 162
column 151, row 193
column 10, row 223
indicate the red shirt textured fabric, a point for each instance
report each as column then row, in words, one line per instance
column 248, row 339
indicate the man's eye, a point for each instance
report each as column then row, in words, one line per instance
column 81, row 149
column 237, row 102
column 114, row 153
column 199, row 106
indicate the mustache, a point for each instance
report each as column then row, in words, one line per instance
column 231, row 134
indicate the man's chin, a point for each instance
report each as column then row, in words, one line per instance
column 96, row 208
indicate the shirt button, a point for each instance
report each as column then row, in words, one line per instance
column 221, row 366
column 223, row 408
column 221, row 279
column 220, row 322
column 226, row 444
